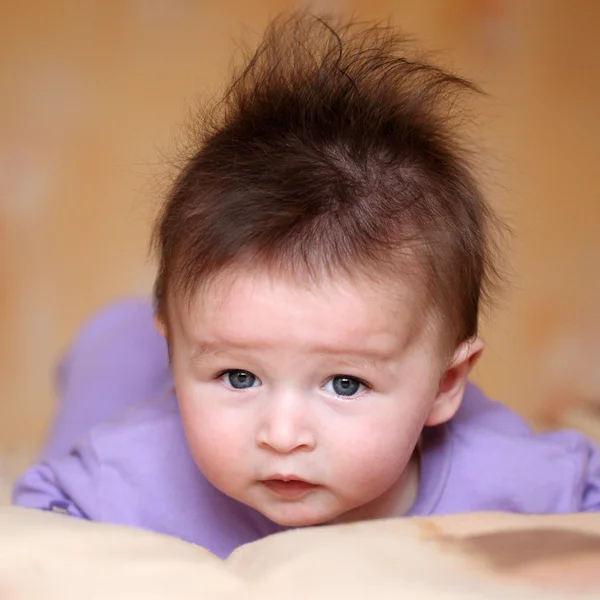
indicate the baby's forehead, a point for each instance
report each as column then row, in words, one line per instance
column 253, row 287
column 246, row 306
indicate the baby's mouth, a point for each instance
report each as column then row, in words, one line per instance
column 290, row 487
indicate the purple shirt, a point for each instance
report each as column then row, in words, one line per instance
column 117, row 457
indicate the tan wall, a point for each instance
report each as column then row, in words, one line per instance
column 91, row 92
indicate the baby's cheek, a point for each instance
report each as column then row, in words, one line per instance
column 220, row 461
column 378, row 457
column 214, row 441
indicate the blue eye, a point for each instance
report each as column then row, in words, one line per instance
column 239, row 380
column 344, row 386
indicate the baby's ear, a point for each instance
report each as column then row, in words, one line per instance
column 160, row 325
column 454, row 380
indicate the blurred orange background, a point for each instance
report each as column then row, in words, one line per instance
column 93, row 92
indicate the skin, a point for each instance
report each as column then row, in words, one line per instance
column 330, row 384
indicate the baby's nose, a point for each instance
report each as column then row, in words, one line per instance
column 286, row 426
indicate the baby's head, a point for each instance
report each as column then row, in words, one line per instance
column 323, row 257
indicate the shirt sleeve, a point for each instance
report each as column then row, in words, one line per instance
column 68, row 485
column 591, row 494
column 585, row 456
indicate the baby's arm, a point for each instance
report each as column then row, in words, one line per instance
column 69, row 485
column 591, row 495
column 584, row 475
column 116, row 360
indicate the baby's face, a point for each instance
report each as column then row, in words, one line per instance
column 305, row 404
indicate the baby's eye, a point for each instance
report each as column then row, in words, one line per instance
column 239, row 380
column 344, row 385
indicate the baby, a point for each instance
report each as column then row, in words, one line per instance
column 323, row 256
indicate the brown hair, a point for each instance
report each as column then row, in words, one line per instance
column 332, row 152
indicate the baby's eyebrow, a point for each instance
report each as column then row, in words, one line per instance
column 353, row 357
column 374, row 360
column 206, row 350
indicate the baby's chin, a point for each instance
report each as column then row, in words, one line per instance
column 299, row 515
column 319, row 508
column 302, row 516
column 295, row 521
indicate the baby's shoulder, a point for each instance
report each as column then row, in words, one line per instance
column 143, row 451
column 501, row 463
column 477, row 411
column 158, row 420
column 492, row 426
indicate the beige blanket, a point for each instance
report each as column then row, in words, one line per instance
column 46, row 556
